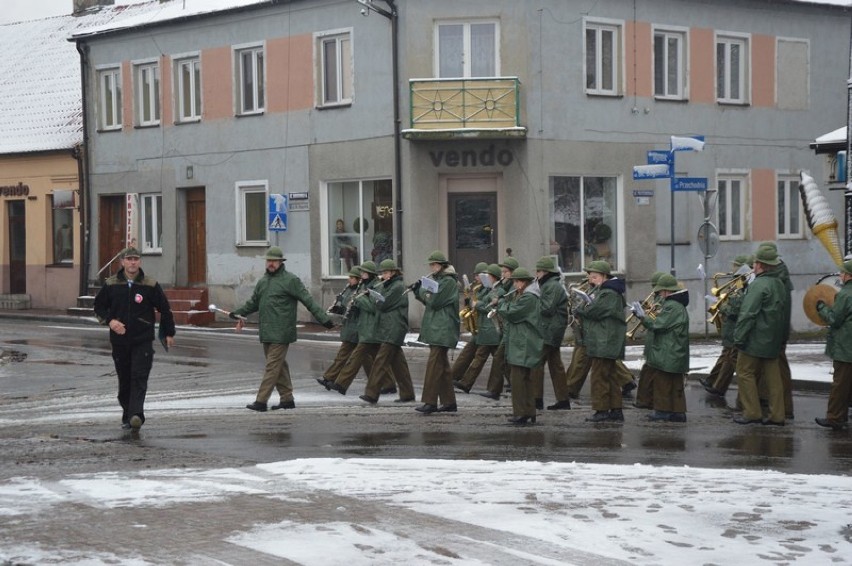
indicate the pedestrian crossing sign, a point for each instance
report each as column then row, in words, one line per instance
column 277, row 213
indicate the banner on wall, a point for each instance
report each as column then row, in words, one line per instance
column 132, row 220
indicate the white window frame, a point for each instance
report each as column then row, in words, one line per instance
column 744, row 180
column 783, row 232
column 600, row 27
column 345, row 74
column 744, row 75
column 179, row 62
column 466, row 45
column 151, row 89
column 109, row 76
column 258, row 94
column 682, row 36
column 243, row 188
column 151, row 242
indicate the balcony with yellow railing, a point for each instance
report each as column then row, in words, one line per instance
column 483, row 108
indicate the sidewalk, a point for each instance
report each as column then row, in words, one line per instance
column 810, row 367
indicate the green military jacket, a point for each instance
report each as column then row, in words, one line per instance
column 839, row 319
column 441, row 323
column 554, row 310
column 667, row 335
column 349, row 326
column 393, row 311
column 488, row 334
column 784, row 275
column 522, row 326
column 275, row 299
column 604, row 323
column 730, row 310
column 368, row 314
column 497, row 292
column 760, row 326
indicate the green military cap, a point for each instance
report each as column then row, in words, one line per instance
column 130, row 251
column 768, row 244
column 546, row 263
column 355, row 272
column 655, row 278
column 388, row 265
column 598, row 266
column 666, row 282
column 521, row 273
column 509, row 263
column 275, row 253
column 437, row 257
column 494, row 270
column 481, row 267
column 369, row 267
column 741, row 260
column 846, row 267
column 767, row 255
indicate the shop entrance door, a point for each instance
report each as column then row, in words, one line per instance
column 472, row 227
column 15, row 212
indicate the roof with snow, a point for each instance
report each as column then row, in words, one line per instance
column 830, row 142
column 42, row 101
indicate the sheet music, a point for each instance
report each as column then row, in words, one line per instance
column 429, row 284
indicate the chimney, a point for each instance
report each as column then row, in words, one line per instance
column 83, row 6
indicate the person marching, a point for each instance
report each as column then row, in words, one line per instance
column 126, row 303
column 645, row 389
column 554, row 321
column 758, row 336
column 604, row 333
column 483, row 344
column 368, row 339
column 524, row 343
column 275, row 298
column 392, row 325
column 440, row 330
column 722, row 374
column 667, row 349
column 498, row 366
column 839, row 348
column 783, row 363
column 465, row 357
column 348, row 329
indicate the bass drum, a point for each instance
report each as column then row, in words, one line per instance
column 824, row 290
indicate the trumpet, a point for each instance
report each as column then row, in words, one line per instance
column 634, row 323
column 723, row 293
column 574, row 300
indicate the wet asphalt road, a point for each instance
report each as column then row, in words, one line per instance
column 58, row 415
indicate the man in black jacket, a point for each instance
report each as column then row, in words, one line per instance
column 126, row 304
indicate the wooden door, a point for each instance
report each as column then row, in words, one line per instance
column 196, row 236
column 473, row 230
column 112, row 229
column 16, row 213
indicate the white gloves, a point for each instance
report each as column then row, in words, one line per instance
column 637, row 309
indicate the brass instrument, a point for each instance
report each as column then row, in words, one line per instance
column 824, row 290
column 575, row 301
column 468, row 314
column 723, row 293
column 634, row 323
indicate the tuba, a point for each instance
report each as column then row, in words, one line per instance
column 824, row 290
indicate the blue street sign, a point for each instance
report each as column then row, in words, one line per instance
column 277, row 213
column 689, row 184
column 658, row 171
column 657, row 156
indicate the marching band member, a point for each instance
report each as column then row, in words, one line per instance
column 439, row 329
column 524, row 343
column 498, row 366
column 720, row 377
column 758, row 336
column 348, row 329
column 604, row 329
column 391, row 325
column 783, row 364
column 645, row 389
column 667, row 349
column 466, row 368
column 839, row 348
column 465, row 357
column 554, row 322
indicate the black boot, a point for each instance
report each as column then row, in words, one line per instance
column 598, row 417
column 566, row 404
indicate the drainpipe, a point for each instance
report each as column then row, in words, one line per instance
column 82, row 155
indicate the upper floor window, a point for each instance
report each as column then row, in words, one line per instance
column 584, row 221
column 335, row 56
column 250, row 80
column 152, row 223
column 731, row 198
column 603, row 58
column 109, row 99
column 467, row 49
column 732, row 69
column 669, row 64
column 147, row 94
column 188, row 89
column 789, row 208
column 252, row 213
